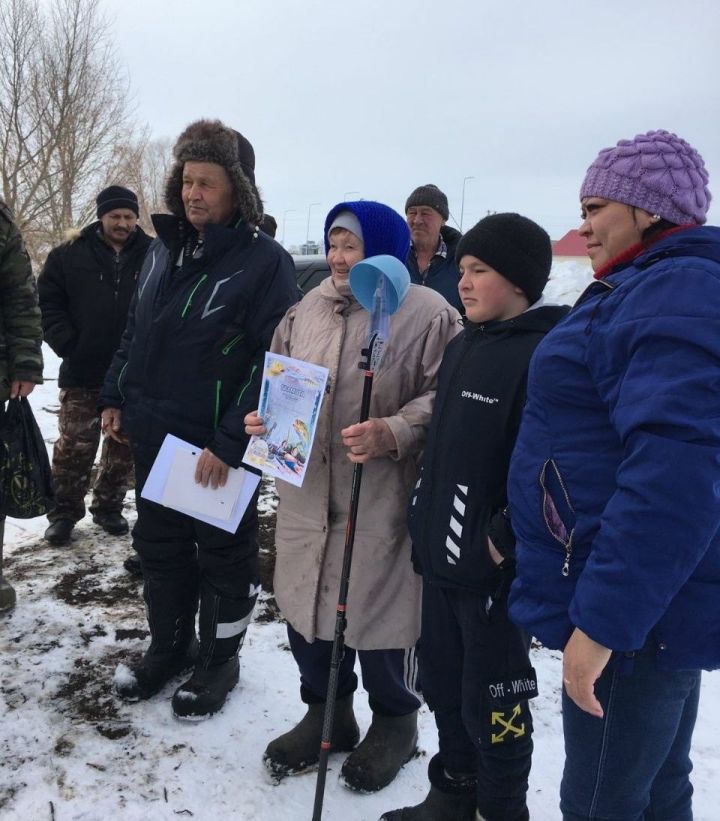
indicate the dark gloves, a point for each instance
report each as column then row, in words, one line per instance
column 501, row 533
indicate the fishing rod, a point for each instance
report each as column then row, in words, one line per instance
column 380, row 284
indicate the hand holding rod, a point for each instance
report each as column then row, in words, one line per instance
column 380, row 284
column 340, row 623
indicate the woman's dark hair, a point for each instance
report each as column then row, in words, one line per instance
column 653, row 230
column 657, row 228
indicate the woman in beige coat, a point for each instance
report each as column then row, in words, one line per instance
column 329, row 327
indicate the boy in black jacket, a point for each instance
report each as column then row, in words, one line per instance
column 474, row 665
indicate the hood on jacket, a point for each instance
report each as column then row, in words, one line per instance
column 682, row 240
column 700, row 241
column 541, row 319
column 91, row 232
column 451, row 236
column 173, row 231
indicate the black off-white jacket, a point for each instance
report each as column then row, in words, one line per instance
column 462, row 486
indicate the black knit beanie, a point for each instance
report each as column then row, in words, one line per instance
column 116, row 197
column 515, row 246
column 431, row 196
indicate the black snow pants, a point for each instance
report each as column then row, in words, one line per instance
column 476, row 678
column 186, row 561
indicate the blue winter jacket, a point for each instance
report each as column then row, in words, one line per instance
column 614, row 484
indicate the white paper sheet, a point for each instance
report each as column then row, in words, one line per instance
column 182, row 492
column 171, row 483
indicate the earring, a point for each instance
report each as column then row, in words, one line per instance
column 655, row 217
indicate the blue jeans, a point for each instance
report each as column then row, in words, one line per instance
column 634, row 764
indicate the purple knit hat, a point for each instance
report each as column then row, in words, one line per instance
column 658, row 172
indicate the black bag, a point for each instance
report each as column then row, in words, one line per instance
column 25, row 477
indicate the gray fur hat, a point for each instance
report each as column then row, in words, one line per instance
column 212, row 141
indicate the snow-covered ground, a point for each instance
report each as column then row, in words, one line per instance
column 70, row 750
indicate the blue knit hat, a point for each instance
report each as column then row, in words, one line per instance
column 384, row 230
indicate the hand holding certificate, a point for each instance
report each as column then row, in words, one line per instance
column 290, row 398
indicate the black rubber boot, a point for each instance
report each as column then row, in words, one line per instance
column 113, row 522
column 7, row 591
column 173, row 646
column 390, row 742
column 59, row 532
column 223, row 624
column 204, row 693
column 132, row 565
column 154, row 670
column 7, row 594
column 298, row 750
column 449, row 799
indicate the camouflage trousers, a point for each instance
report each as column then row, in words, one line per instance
column 74, row 456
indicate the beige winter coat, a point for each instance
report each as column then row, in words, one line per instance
column 330, row 328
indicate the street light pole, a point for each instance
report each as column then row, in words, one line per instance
column 307, row 233
column 285, row 213
column 462, row 206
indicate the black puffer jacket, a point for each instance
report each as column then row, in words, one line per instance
column 190, row 360
column 85, row 292
column 479, row 402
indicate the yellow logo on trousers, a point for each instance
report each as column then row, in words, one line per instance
column 499, row 718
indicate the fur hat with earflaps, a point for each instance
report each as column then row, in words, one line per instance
column 212, row 141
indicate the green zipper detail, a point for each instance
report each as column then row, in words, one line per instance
column 247, row 384
column 231, row 344
column 119, row 380
column 192, row 294
column 218, row 388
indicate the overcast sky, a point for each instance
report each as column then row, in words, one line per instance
column 373, row 97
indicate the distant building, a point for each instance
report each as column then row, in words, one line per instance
column 311, row 248
column 570, row 247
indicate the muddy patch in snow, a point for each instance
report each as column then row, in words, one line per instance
column 90, row 585
column 86, row 695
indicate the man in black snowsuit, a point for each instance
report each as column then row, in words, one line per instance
column 211, row 291
column 474, row 667
column 86, row 287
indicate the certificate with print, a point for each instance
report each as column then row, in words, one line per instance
column 290, row 398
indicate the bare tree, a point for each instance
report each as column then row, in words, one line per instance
column 64, row 112
column 23, row 151
column 88, row 105
column 157, row 164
